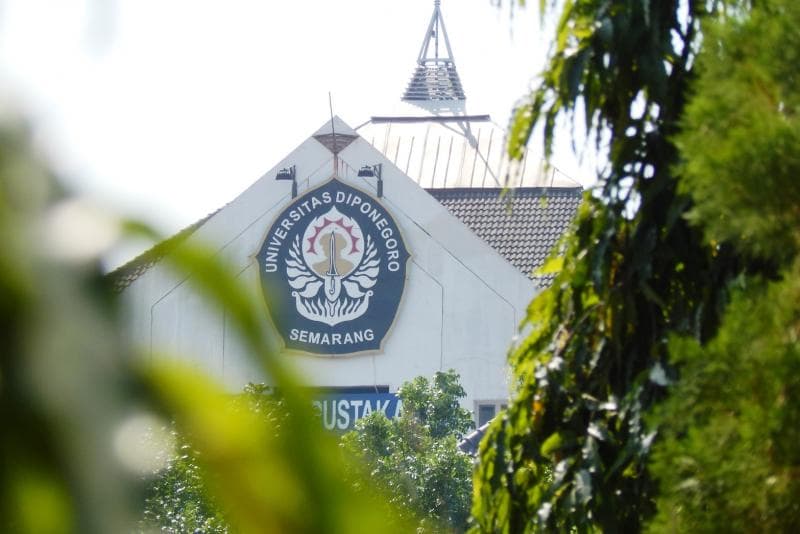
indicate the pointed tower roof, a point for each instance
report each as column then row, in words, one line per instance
column 435, row 78
column 445, row 147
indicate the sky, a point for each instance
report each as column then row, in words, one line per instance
column 166, row 110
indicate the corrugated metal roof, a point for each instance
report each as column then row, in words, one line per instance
column 456, row 151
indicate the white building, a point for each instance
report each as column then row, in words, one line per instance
column 370, row 279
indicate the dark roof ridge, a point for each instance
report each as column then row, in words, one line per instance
column 444, row 194
column 483, row 190
column 430, row 118
column 128, row 272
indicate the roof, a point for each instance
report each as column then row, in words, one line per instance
column 125, row 275
column 523, row 225
column 439, row 151
column 430, row 135
column 435, row 83
column 459, row 158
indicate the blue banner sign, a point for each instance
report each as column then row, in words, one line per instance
column 333, row 270
column 340, row 411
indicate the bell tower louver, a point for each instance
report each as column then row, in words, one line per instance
column 435, row 79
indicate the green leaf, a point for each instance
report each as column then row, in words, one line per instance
column 552, row 444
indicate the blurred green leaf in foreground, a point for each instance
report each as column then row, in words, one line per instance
column 76, row 404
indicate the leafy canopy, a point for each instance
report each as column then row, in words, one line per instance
column 729, row 458
column 571, row 453
column 415, row 457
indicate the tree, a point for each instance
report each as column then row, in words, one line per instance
column 177, row 498
column 572, row 451
column 415, row 457
column 728, row 459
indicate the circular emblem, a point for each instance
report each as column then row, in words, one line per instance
column 333, row 269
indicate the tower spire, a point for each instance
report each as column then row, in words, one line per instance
column 435, row 78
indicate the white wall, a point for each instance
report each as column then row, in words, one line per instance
column 460, row 309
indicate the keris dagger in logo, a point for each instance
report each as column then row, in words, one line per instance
column 333, row 271
column 332, row 255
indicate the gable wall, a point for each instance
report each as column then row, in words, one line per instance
column 460, row 309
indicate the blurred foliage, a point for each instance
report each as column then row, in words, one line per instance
column 177, row 499
column 571, row 454
column 415, row 457
column 741, row 134
column 729, row 458
column 76, row 403
column 64, row 381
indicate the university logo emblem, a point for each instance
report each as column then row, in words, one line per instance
column 333, row 269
